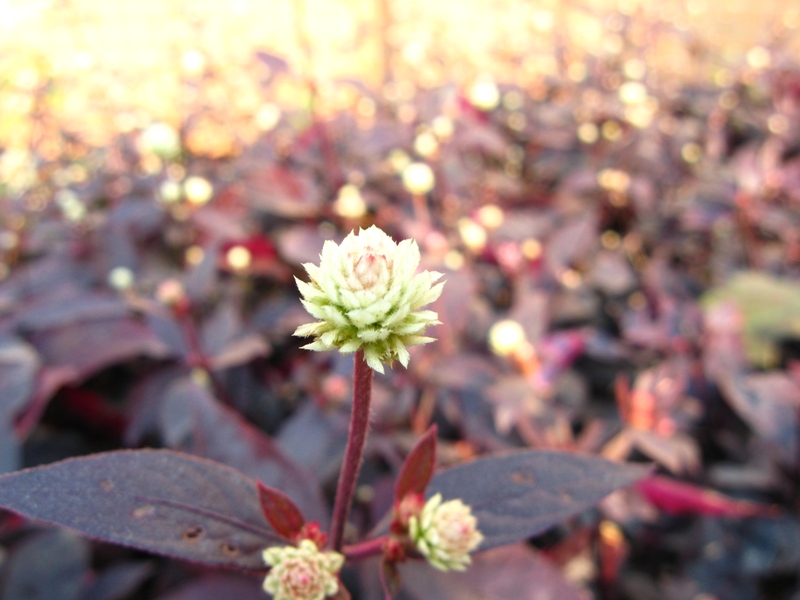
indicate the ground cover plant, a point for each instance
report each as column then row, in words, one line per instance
column 618, row 252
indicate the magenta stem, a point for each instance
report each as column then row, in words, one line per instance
column 365, row 549
column 354, row 453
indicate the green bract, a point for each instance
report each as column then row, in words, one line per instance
column 367, row 295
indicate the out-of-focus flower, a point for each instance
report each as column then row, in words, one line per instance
column 445, row 533
column 302, row 572
column 367, row 296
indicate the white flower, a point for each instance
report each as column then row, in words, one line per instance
column 445, row 533
column 367, row 296
column 302, row 573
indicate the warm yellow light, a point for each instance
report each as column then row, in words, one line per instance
column 198, row 190
column 170, row 292
column 442, row 127
column 588, row 133
column 517, row 121
column 170, row 191
column 472, row 234
column 610, row 239
column 531, row 249
column 505, row 337
column 483, row 94
column 513, row 100
column 691, row 152
column 632, row 92
column 425, row 144
column 778, row 124
column 399, row 160
column 161, row 139
column 611, row 130
column 758, row 57
column 349, row 203
column 120, row 278
column 490, row 216
column 634, row 68
column 268, row 116
column 614, row 180
column 239, row 258
column 418, row 178
column 453, row 260
column 194, row 255
column 193, row 62
column 570, row 278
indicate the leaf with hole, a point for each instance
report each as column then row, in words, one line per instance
column 154, row 500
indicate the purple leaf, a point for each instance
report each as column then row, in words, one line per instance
column 521, row 495
column 154, row 500
column 68, row 304
column 195, row 422
column 768, row 403
column 18, row 366
column 417, row 470
column 214, row 587
column 511, row 572
column 50, row 564
column 280, row 511
column 119, row 581
column 102, row 343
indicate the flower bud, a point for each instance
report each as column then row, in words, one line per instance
column 367, row 296
column 302, row 573
column 445, row 533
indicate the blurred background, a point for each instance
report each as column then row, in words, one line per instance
column 115, row 66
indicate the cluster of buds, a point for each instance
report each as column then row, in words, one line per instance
column 302, row 572
column 367, row 296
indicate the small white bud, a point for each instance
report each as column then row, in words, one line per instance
column 445, row 533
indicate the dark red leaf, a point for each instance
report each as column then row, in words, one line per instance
column 521, row 495
column 154, row 500
column 417, row 470
column 280, row 511
column 678, row 497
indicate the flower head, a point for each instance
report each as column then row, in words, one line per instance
column 302, row 573
column 445, row 533
column 367, row 296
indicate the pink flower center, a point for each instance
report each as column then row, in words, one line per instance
column 301, row 579
column 368, row 268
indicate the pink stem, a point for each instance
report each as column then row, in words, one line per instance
column 365, row 549
column 354, row 453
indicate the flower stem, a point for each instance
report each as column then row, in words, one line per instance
column 365, row 549
column 354, row 452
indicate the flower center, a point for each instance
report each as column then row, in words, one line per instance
column 369, row 268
